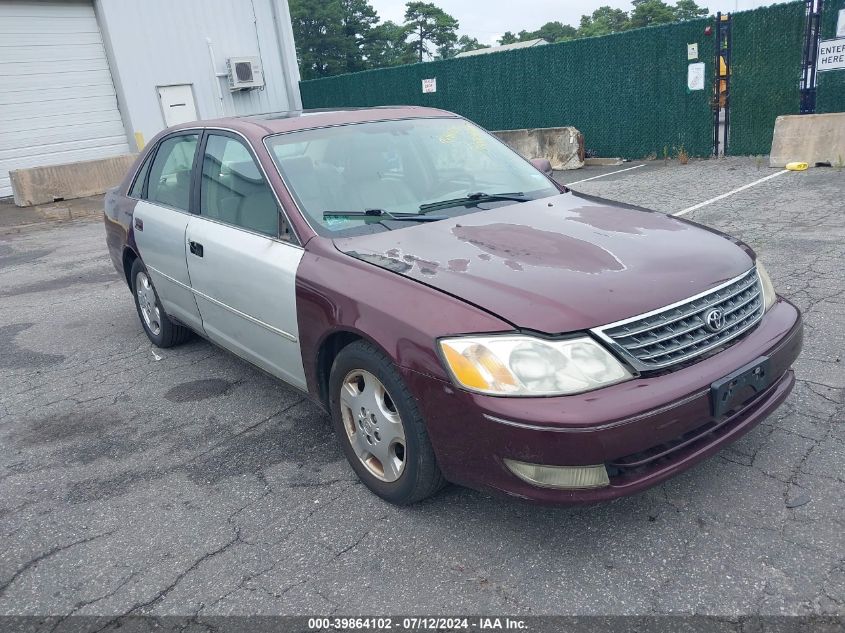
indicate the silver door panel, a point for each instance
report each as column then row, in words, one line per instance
column 161, row 245
column 245, row 287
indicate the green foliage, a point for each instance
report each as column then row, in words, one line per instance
column 551, row 32
column 334, row 36
column 357, row 19
column 342, row 36
column 429, row 25
column 606, row 20
column 386, row 46
column 650, row 13
column 689, row 10
column 603, row 21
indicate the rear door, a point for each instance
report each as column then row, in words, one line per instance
column 242, row 261
column 160, row 221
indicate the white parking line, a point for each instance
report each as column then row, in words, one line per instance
column 725, row 195
column 618, row 171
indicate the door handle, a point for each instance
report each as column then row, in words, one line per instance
column 139, row 224
column 195, row 248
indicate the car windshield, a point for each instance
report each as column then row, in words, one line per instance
column 386, row 171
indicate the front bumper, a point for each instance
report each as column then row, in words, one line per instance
column 646, row 430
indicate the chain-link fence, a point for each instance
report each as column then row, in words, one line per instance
column 767, row 47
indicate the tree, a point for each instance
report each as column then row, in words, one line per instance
column 689, row 10
column 331, row 36
column 316, row 38
column 651, row 12
column 429, row 25
column 508, row 38
column 553, row 32
column 603, row 21
column 357, row 21
column 387, row 46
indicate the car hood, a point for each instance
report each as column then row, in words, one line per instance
column 559, row 264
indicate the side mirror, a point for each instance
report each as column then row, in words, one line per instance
column 543, row 165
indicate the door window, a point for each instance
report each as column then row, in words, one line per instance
column 170, row 173
column 233, row 189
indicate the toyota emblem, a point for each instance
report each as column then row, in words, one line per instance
column 714, row 320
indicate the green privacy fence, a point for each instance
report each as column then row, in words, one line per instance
column 765, row 73
column 831, row 85
column 626, row 92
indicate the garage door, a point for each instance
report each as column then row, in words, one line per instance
column 57, row 101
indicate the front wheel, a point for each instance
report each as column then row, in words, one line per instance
column 382, row 432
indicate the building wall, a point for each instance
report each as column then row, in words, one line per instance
column 162, row 42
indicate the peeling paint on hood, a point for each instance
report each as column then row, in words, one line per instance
column 558, row 264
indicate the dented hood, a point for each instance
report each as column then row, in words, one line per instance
column 559, row 264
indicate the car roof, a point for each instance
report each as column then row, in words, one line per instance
column 257, row 127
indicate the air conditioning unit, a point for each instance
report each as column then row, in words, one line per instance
column 244, row 73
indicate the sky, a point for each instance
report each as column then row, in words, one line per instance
column 486, row 20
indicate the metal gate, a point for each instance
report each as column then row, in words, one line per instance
column 722, row 84
column 809, row 56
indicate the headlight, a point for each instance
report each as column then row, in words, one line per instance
column 526, row 366
column 769, row 295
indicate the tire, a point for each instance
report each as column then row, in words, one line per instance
column 363, row 377
column 160, row 329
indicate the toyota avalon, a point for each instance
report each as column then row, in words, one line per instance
column 459, row 315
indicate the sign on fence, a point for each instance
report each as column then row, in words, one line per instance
column 840, row 25
column 831, row 55
column 430, row 85
column 695, row 76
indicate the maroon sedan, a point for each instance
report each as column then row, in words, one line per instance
column 461, row 316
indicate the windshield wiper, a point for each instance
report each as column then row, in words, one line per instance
column 476, row 197
column 381, row 213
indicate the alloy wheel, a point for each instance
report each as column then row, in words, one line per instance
column 147, row 303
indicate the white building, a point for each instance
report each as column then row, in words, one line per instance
column 90, row 79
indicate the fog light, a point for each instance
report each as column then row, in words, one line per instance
column 560, row 476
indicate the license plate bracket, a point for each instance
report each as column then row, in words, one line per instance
column 740, row 386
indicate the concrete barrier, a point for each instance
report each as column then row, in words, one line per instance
column 39, row 185
column 809, row 138
column 563, row 146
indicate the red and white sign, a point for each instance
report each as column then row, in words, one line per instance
column 429, row 85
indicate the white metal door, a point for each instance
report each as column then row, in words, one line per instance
column 57, row 104
column 177, row 104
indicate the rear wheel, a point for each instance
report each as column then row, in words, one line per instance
column 381, row 430
column 160, row 329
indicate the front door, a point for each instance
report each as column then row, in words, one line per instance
column 242, row 272
column 160, row 220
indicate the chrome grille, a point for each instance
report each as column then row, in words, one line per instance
column 678, row 333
